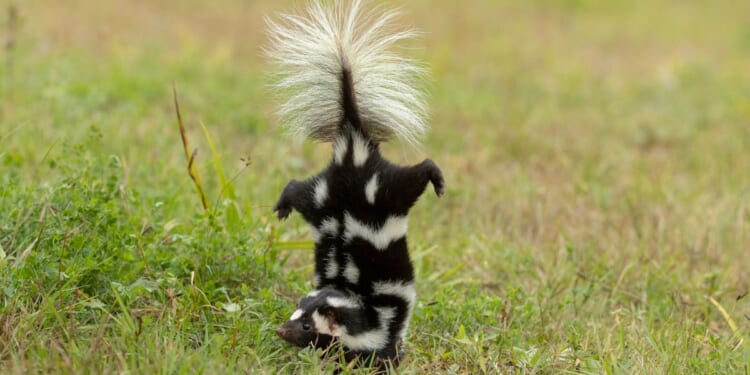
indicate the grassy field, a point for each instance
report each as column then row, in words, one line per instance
column 597, row 217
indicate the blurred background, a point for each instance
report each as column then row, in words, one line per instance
column 582, row 118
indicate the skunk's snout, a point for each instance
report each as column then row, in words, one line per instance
column 282, row 332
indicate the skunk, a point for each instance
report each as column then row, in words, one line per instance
column 328, row 315
column 347, row 88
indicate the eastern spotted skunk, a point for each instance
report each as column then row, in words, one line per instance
column 328, row 315
column 348, row 89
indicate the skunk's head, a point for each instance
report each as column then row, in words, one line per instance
column 300, row 330
column 315, row 320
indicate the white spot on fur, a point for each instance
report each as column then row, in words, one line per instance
column 332, row 267
column 374, row 339
column 340, row 146
column 404, row 329
column 330, row 226
column 321, row 324
column 321, row 193
column 297, row 314
column 342, row 302
column 351, row 272
column 315, row 233
column 361, row 149
column 313, row 293
column 403, row 290
column 371, row 188
column 394, row 228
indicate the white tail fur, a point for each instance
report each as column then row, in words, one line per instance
column 311, row 50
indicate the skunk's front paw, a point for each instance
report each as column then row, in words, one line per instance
column 282, row 211
column 439, row 184
column 284, row 206
column 437, row 180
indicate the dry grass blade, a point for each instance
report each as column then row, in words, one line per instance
column 188, row 155
column 729, row 320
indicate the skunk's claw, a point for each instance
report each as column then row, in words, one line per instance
column 436, row 178
column 439, row 184
column 282, row 212
column 284, row 205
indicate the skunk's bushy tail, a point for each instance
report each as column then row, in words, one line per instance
column 336, row 69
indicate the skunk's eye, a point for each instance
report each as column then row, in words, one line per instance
column 306, row 326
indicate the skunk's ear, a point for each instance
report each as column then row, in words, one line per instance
column 329, row 312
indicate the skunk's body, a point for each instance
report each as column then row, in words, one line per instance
column 358, row 216
column 349, row 90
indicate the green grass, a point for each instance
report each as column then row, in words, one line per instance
column 597, row 218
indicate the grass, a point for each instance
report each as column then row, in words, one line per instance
column 596, row 218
